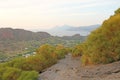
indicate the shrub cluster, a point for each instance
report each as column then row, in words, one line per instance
column 103, row 44
column 77, row 50
column 27, row 68
column 9, row 73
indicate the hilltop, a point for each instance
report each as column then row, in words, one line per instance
column 21, row 35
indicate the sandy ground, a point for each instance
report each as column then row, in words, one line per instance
column 71, row 69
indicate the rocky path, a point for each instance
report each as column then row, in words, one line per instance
column 71, row 69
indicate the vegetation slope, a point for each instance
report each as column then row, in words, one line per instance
column 14, row 42
column 27, row 68
column 103, row 44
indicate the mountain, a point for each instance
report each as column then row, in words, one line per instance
column 64, row 27
column 21, row 35
column 17, row 41
column 84, row 28
column 67, row 30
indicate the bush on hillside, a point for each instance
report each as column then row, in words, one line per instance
column 60, row 51
column 28, row 75
column 103, row 44
column 77, row 51
column 9, row 73
column 26, row 68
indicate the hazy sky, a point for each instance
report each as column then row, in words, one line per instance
column 33, row 14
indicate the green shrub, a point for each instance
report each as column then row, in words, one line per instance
column 60, row 51
column 77, row 51
column 47, row 51
column 11, row 74
column 28, row 75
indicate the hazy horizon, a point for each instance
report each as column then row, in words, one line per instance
column 45, row 14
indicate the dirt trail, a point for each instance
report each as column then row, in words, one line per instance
column 71, row 69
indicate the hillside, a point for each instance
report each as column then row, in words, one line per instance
column 103, row 44
column 19, row 41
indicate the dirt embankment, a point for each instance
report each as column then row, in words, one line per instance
column 71, row 69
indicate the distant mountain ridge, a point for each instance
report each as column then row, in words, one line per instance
column 85, row 28
column 64, row 27
column 67, row 30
